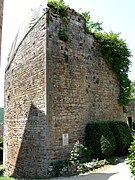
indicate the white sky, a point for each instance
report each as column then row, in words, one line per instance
column 116, row 15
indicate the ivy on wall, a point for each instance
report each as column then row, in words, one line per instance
column 60, row 8
column 116, row 54
column 113, row 48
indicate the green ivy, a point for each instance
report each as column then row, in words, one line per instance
column 113, row 48
column 117, row 56
column 60, row 8
column 116, row 53
column 131, row 158
column 63, row 35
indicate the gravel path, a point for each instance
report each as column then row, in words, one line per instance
column 120, row 171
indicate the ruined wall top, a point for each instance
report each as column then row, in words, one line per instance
column 25, row 27
column 29, row 23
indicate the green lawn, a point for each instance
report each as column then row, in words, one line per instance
column 4, row 178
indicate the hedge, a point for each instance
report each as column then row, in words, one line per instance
column 100, row 139
column 131, row 157
column 122, row 136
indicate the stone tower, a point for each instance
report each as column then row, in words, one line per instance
column 52, row 89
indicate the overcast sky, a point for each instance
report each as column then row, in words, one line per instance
column 116, row 15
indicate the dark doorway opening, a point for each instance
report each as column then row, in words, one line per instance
column 130, row 123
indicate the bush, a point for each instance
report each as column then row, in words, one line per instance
column 1, row 149
column 79, row 154
column 59, row 167
column 122, row 136
column 100, row 139
column 131, row 157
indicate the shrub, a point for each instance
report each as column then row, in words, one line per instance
column 122, row 136
column 1, row 149
column 59, row 167
column 131, row 157
column 79, row 154
column 89, row 166
column 100, row 139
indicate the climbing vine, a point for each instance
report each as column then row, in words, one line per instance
column 113, row 48
column 116, row 53
column 117, row 57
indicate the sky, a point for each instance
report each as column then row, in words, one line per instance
column 116, row 15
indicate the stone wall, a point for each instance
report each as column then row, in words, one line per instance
column 130, row 115
column 25, row 107
column 81, row 87
column 52, row 89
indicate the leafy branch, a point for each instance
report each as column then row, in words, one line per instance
column 90, row 25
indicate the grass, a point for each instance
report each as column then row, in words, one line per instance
column 6, row 178
column 1, row 174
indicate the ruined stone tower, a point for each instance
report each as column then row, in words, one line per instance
column 52, row 89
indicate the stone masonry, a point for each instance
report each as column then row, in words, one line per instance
column 52, row 89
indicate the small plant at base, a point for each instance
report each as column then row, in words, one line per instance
column 79, row 154
column 59, row 167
